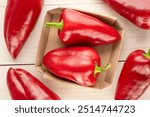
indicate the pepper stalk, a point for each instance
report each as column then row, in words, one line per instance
column 58, row 25
column 147, row 55
column 101, row 69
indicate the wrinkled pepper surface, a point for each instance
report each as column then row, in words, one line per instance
column 24, row 86
column 76, row 28
column 20, row 19
column 78, row 64
column 135, row 76
column 136, row 11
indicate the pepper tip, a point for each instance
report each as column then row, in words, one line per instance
column 13, row 55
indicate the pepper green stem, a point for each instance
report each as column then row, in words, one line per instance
column 147, row 55
column 58, row 25
column 100, row 69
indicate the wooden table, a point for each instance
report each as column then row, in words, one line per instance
column 134, row 39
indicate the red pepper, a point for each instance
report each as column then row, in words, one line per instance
column 24, row 86
column 77, row 64
column 76, row 28
column 136, row 11
column 20, row 19
column 135, row 76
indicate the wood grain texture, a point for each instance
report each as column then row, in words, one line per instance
column 135, row 38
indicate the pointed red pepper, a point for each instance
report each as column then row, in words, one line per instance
column 78, row 64
column 76, row 28
column 20, row 19
column 135, row 76
column 136, row 11
column 24, row 86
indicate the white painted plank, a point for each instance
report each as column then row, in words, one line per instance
column 75, row 92
column 134, row 38
column 133, row 43
column 48, row 2
column 57, row 2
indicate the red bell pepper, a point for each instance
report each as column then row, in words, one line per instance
column 24, row 86
column 136, row 11
column 20, row 19
column 78, row 64
column 76, row 28
column 135, row 76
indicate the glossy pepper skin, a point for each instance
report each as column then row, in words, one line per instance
column 77, row 64
column 136, row 11
column 135, row 76
column 20, row 19
column 24, row 86
column 76, row 28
